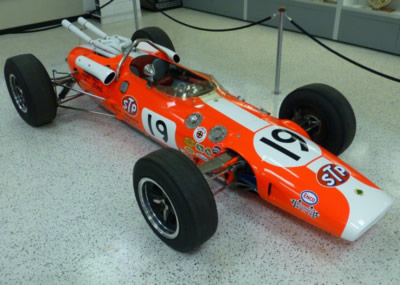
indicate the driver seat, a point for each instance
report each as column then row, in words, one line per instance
column 162, row 75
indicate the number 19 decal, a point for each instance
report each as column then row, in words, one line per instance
column 159, row 127
column 283, row 147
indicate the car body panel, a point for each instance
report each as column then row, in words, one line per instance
column 291, row 171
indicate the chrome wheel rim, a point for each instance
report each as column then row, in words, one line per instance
column 158, row 208
column 18, row 94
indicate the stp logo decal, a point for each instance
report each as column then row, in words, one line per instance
column 130, row 105
column 200, row 134
column 309, row 197
column 332, row 175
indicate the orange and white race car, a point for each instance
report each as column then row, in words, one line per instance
column 290, row 161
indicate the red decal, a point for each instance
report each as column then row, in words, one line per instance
column 130, row 105
column 332, row 175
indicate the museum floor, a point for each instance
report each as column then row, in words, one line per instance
column 67, row 210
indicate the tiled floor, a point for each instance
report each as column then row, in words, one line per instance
column 67, row 209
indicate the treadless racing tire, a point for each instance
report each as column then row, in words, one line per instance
column 156, row 35
column 175, row 199
column 30, row 89
column 324, row 113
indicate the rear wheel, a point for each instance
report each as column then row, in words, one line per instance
column 324, row 113
column 30, row 89
column 175, row 199
column 156, row 35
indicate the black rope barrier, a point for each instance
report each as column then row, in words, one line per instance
column 341, row 55
column 218, row 30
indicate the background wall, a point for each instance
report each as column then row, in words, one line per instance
column 14, row 13
column 118, row 10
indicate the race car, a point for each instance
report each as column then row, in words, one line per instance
column 290, row 161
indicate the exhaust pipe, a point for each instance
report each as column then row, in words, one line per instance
column 70, row 27
column 86, row 24
column 170, row 53
column 101, row 72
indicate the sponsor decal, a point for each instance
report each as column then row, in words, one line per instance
column 202, row 156
column 332, row 175
column 304, row 208
column 189, row 142
column 309, row 197
column 208, row 152
column 130, row 105
column 200, row 147
column 200, row 134
column 216, row 149
column 189, row 150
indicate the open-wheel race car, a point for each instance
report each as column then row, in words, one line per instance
column 290, row 161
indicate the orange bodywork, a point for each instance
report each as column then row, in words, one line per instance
column 293, row 188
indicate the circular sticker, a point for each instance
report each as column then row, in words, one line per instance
column 332, row 175
column 309, row 197
column 200, row 134
column 130, row 105
column 189, row 141
column 208, row 152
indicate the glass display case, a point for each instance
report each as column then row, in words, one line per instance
column 350, row 21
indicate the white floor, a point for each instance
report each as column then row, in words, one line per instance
column 67, row 209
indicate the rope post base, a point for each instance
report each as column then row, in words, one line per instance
column 281, row 11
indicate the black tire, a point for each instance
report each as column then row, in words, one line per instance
column 156, row 35
column 30, row 89
column 166, row 179
column 324, row 113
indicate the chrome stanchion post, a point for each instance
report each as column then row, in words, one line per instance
column 136, row 15
column 279, row 51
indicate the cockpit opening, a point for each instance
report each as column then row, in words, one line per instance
column 170, row 78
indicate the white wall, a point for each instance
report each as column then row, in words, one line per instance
column 89, row 5
column 118, row 10
column 14, row 13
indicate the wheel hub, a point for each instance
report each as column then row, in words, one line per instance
column 309, row 121
column 18, row 94
column 158, row 208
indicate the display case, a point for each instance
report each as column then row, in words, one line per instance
column 350, row 21
column 362, row 25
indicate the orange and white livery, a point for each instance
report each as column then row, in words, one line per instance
column 141, row 83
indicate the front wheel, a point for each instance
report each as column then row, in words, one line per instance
column 175, row 199
column 30, row 89
column 324, row 113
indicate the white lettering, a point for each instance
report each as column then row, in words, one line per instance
column 329, row 181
